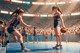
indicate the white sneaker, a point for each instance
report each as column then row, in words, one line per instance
column 25, row 49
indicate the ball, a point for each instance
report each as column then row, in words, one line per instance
column 63, row 30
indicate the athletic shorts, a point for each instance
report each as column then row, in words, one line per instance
column 24, row 34
column 2, row 33
column 56, row 23
column 10, row 29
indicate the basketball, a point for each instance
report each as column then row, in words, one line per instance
column 63, row 30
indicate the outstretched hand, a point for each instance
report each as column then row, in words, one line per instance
column 30, row 26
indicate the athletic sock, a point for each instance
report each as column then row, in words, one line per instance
column 22, row 46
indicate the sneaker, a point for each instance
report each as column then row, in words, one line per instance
column 25, row 49
column 60, row 46
column 55, row 46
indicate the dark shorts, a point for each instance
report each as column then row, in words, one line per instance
column 10, row 29
column 2, row 33
column 23, row 34
column 56, row 23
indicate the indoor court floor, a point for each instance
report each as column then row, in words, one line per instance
column 44, row 47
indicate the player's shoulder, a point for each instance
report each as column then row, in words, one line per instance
column 59, row 13
column 19, row 17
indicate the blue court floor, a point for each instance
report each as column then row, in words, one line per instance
column 44, row 47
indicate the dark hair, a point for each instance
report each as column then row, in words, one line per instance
column 56, row 7
column 1, row 22
column 18, row 11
